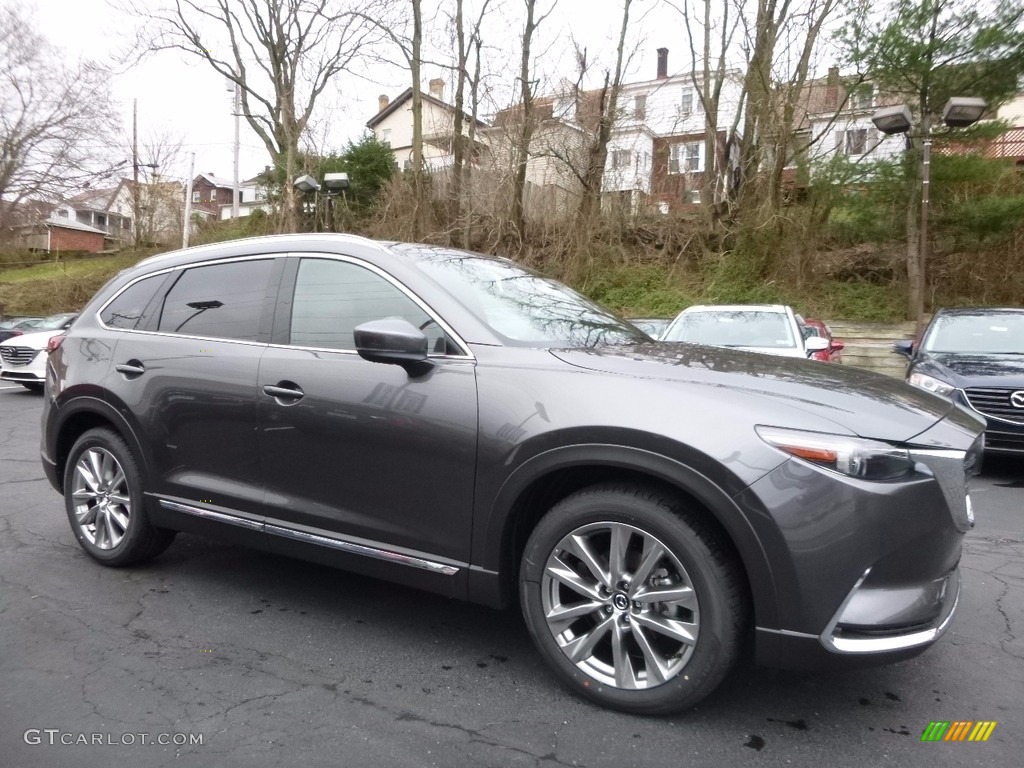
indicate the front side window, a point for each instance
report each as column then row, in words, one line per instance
column 333, row 297
column 223, row 301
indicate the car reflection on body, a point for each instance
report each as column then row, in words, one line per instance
column 975, row 356
column 457, row 423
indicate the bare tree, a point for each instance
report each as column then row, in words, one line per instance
column 465, row 49
column 607, row 114
column 526, row 123
column 53, row 116
column 282, row 54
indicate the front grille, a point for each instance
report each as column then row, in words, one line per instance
column 995, row 402
column 18, row 355
column 1004, row 442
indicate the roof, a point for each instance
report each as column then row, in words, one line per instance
column 404, row 96
column 98, row 199
column 217, row 181
column 69, row 224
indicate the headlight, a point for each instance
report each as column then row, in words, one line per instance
column 852, row 456
column 931, row 384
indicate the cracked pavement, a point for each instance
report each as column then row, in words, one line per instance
column 279, row 662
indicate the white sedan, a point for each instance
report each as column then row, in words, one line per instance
column 23, row 358
column 773, row 329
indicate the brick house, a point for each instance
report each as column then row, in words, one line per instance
column 210, row 192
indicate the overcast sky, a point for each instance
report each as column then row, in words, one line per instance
column 184, row 96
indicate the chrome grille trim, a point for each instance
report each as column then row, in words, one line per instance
column 994, row 402
column 18, row 355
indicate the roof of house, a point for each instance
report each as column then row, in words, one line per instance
column 97, row 199
column 404, row 96
column 69, row 224
column 216, row 181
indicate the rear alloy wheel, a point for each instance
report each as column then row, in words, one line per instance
column 103, row 496
column 632, row 599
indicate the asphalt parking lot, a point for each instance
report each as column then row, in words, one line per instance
column 270, row 661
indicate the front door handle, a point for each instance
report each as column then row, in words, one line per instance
column 284, row 390
column 131, row 369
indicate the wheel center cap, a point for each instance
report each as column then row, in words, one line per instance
column 620, row 601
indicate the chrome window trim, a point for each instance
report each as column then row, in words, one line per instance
column 320, row 539
column 460, row 342
column 467, row 355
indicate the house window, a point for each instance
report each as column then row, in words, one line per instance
column 691, row 102
column 620, row 158
column 695, row 196
column 684, row 157
column 385, row 135
column 640, row 106
column 855, row 141
column 563, row 107
column 861, row 97
column 195, row 196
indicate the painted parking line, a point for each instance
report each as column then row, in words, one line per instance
column 17, row 386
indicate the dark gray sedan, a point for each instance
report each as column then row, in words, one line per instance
column 457, row 423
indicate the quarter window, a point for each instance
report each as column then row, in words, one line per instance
column 221, row 300
column 333, row 297
column 128, row 310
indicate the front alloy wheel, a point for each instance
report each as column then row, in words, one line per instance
column 620, row 605
column 636, row 600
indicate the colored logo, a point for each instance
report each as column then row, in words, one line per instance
column 958, row 730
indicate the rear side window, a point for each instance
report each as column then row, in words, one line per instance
column 333, row 297
column 222, row 301
column 128, row 310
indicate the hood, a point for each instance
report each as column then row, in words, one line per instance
column 973, row 370
column 861, row 402
column 34, row 340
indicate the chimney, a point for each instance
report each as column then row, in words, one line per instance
column 662, row 63
column 437, row 88
column 382, row 102
column 832, row 89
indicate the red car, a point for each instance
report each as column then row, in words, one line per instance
column 835, row 347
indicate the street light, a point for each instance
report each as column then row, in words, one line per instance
column 959, row 112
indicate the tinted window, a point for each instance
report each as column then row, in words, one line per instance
column 333, row 297
column 126, row 311
column 222, row 300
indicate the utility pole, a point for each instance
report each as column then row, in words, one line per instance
column 187, row 224
column 237, row 109
column 136, row 208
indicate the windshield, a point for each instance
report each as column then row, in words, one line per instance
column 522, row 307
column 988, row 333
column 733, row 328
column 51, row 323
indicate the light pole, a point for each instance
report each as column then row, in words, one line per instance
column 959, row 112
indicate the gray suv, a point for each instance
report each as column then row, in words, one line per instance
column 456, row 423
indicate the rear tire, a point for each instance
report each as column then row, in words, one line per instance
column 105, row 504
column 635, row 601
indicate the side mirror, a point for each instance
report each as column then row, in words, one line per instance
column 905, row 348
column 837, row 345
column 394, row 341
column 815, row 344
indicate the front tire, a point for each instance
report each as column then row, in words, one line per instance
column 104, row 501
column 633, row 599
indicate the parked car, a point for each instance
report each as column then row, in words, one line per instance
column 23, row 357
column 15, row 326
column 975, row 357
column 459, row 424
column 652, row 326
column 834, row 352
column 772, row 329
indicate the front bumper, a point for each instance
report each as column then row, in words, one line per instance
column 866, row 573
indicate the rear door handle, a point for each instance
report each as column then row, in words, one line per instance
column 131, row 369
column 291, row 392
